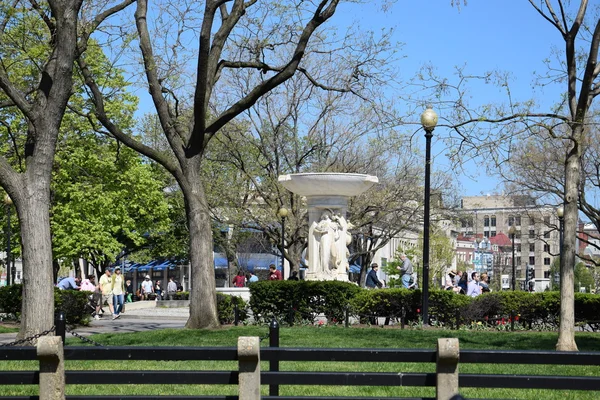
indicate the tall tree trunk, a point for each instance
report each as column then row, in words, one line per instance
column 203, row 297
column 38, row 288
column 566, row 334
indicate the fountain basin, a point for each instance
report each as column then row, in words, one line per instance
column 327, row 183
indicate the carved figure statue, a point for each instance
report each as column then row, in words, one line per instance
column 327, row 233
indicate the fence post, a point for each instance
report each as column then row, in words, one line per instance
column 249, row 368
column 236, row 314
column 274, row 364
column 52, row 368
column 60, row 324
column 512, row 320
column 402, row 317
column 447, row 368
column 347, row 316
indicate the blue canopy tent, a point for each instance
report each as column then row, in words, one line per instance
column 221, row 262
column 164, row 265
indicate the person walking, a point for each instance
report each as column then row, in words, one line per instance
column 406, row 270
column 128, row 292
column 105, row 286
column 171, row 288
column 373, row 281
column 147, row 288
column 118, row 291
column 158, row 290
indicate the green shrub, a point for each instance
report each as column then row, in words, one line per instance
column 10, row 300
column 226, row 306
column 72, row 303
column 295, row 301
column 181, row 296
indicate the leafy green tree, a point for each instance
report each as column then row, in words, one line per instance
column 105, row 199
column 38, row 47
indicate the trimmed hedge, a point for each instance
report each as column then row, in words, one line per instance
column 297, row 301
column 226, row 306
column 71, row 302
column 305, row 300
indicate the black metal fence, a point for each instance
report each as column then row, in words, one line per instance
column 275, row 378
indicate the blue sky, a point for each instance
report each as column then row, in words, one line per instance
column 507, row 35
column 483, row 35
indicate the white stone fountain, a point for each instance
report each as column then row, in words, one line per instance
column 327, row 200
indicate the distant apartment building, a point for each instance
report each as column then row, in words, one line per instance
column 536, row 234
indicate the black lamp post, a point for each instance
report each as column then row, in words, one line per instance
column 282, row 213
column 429, row 120
column 560, row 213
column 511, row 232
column 9, row 270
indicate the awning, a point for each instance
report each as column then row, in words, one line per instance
column 221, row 262
column 166, row 264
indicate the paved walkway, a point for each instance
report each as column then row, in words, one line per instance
column 141, row 317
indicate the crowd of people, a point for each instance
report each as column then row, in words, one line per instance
column 243, row 280
column 114, row 291
column 459, row 282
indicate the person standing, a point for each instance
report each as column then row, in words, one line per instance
column 158, row 290
column 372, row 278
column 294, row 276
column 274, row 274
column 105, row 286
column 239, row 280
column 251, row 277
column 406, row 270
column 473, row 288
column 118, row 291
column 484, row 283
column 147, row 288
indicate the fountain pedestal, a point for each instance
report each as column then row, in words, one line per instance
column 327, row 200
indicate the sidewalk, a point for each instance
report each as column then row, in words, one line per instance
column 138, row 317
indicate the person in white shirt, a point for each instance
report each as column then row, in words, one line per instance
column 147, row 288
column 473, row 288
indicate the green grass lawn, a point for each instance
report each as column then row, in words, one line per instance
column 6, row 329
column 330, row 337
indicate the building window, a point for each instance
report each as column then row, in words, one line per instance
column 531, row 221
column 518, row 261
column 531, row 234
column 383, row 262
column 493, row 220
column 493, row 233
column 547, row 234
column 518, row 248
column 486, row 221
column 531, row 246
column 486, row 234
column 518, row 220
column 546, row 260
column 511, row 220
column 517, row 234
column 546, row 274
column 547, row 248
column 547, row 220
column 531, row 260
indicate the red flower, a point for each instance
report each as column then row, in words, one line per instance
column 418, row 310
column 517, row 318
column 486, row 317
